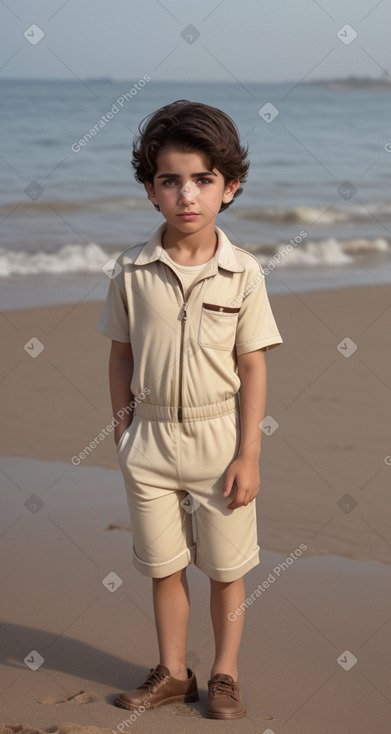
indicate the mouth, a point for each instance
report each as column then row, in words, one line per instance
column 187, row 215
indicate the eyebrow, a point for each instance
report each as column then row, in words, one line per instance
column 193, row 175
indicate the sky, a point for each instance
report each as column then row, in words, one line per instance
column 215, row 40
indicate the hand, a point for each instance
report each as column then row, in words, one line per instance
column 244, row 472
column 118, row 431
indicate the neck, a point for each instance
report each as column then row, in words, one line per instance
column 204, row 242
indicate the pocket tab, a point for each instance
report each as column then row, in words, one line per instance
column 221, row 309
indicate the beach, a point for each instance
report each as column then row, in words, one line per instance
column 310, row 100
column 77, row 621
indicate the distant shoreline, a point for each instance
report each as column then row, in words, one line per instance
column 347, row 83
column 352, row 83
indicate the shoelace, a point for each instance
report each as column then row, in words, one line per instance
column 223, row 687
column 153, row 678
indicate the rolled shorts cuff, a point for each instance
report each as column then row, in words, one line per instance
column 160, row 570
column 228, row 574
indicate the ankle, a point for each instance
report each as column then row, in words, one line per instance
column 225, row 670
column 177, row 671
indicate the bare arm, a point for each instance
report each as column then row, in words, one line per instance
column 252, row 374
column 120, row 375
column 244, row 471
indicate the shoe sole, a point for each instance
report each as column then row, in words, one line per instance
column 182, row 699
column 241, row 715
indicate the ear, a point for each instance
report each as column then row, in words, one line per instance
column 229, row 191
column 150, row 192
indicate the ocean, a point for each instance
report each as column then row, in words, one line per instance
column 315, row 210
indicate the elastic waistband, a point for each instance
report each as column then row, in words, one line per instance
column 189, row 413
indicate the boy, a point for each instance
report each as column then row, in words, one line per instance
column 189, row 319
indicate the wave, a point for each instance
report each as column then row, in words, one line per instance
column 68, row 259
column 322, row 252
column 75, row 258
column 311, row 214
column 86, row 205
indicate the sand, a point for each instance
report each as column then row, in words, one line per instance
column 325, row 476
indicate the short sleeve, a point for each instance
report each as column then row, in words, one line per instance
column 113, row 321
column 256, row 328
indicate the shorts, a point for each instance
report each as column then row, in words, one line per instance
column 174, row 475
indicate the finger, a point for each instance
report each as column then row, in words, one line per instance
column 238, row 501
column 242, row 499
column 227, row 489
column 228, row 486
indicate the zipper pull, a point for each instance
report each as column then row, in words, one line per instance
column 182, row 316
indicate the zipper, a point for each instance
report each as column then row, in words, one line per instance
column 183, row 319
column 183, row 324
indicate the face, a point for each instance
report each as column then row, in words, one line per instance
column 188, row 194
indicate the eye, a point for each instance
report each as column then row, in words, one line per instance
column 168, row 181
column 204, row 180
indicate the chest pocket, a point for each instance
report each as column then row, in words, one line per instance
column 218, row 326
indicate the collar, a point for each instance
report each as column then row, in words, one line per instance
column 225, row 255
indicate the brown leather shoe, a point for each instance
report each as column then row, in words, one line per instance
column 224, row 700
column 159, row 688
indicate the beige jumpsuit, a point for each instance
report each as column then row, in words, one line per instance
column 186, row 327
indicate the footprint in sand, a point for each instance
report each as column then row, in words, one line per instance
column 181, row 709
column 120, row 525
column 80, row 697
column 67, row 728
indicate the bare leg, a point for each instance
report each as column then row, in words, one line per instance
column 172, row 607
column 225, row 598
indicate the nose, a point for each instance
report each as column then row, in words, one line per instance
column 189, row 191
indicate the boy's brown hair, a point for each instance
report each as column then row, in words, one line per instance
column 191, row 127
